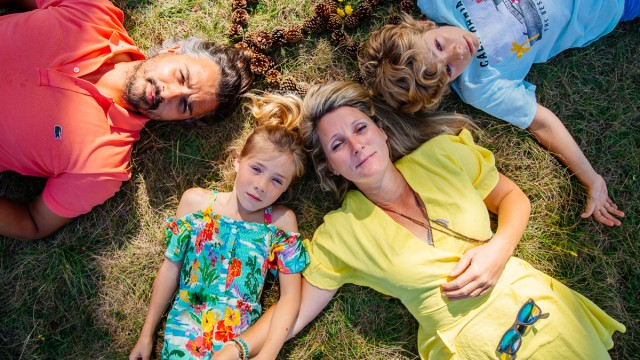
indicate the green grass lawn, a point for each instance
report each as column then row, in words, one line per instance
column 83, row 292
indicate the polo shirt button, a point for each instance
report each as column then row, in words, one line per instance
column 76, row 69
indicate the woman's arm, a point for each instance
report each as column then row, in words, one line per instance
column 313, row 300
column 480, row 268
column 164, row 288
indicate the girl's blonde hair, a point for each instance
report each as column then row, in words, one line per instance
column 394, row 67
column 406, row 132
column 278, row 118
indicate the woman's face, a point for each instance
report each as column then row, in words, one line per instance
column 355, row 147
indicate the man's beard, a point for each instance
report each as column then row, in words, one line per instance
column 135, row 91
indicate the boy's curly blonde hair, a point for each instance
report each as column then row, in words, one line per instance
column 394, row 67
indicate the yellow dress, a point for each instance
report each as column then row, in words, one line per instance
column 360, row 244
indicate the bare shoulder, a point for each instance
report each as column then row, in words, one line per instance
column 192, row 200
column 284, row 218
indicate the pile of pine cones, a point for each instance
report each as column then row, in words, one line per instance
column 327, row 15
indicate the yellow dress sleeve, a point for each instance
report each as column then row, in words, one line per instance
column 325, row 270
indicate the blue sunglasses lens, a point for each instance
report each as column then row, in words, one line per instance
column 528, row 314
column 510, row 342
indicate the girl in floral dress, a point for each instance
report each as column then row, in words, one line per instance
column 220, row 246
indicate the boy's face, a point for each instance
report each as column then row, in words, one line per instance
column 453, row 47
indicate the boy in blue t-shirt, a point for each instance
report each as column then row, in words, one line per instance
column 485, row 56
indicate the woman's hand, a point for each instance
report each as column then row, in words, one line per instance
column 142, row 350
column 477, row 271
column 480, row 268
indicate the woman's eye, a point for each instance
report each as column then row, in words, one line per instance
column 438, row 45
column 336, row 146
column 360, row 128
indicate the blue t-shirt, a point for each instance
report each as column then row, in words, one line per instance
column 515, row 34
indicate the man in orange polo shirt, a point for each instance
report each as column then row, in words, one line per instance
column 75, row 92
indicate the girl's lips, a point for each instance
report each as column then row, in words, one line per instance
column 253, row 197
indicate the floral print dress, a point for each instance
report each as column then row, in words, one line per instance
column 224, row 265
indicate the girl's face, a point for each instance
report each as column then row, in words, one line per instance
column 453, row 47
column 354, row 145
column 261, row 178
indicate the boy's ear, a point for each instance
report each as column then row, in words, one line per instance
column 174, row 50
column 236, row 164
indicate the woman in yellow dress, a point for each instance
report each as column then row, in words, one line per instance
column 418, row 229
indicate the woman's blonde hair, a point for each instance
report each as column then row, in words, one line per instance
column 278, row 118
column 394, row 67
column 406, row 132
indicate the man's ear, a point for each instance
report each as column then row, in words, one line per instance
column 174, row 50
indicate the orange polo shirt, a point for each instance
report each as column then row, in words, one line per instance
column 54, row 124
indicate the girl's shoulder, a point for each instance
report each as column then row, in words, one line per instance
column 193, row 200
column 284, row 218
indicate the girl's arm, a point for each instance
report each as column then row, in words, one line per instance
column 164, row 288
column 313, row 301
column 284, row 315
column 480, row 268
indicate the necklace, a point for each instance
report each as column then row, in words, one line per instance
column 442, row 225
column 423, row 209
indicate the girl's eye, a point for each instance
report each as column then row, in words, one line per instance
column 256, row 169
column 438, row 45
column 277, row 181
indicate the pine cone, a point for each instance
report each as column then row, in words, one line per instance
column 357, row 77
column 322, row 10
column 293, row 34
column 272, row 77
column 238, row 4
column 288, row 83
column 373, row 3
column 242, row 46
column 302, row 88
column 351, row 49
column 333, row 6
column 407, row 6
column 277, row 36
column 352, row 21
column 363, row 11
column 253, row 2
column 235, row 31
column 259, row 40
column 338, row 37
column 394, row 20
column 314, row 25
column 240, row 16
column 260, row 63
column 334, row 22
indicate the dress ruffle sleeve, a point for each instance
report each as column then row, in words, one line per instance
column 178, row 237
column 287, row 254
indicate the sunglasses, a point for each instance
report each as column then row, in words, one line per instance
column 528, row 314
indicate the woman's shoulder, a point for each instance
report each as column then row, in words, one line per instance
column 444, row 143
column 284, row 218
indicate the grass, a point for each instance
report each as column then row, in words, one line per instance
column 83, row 292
